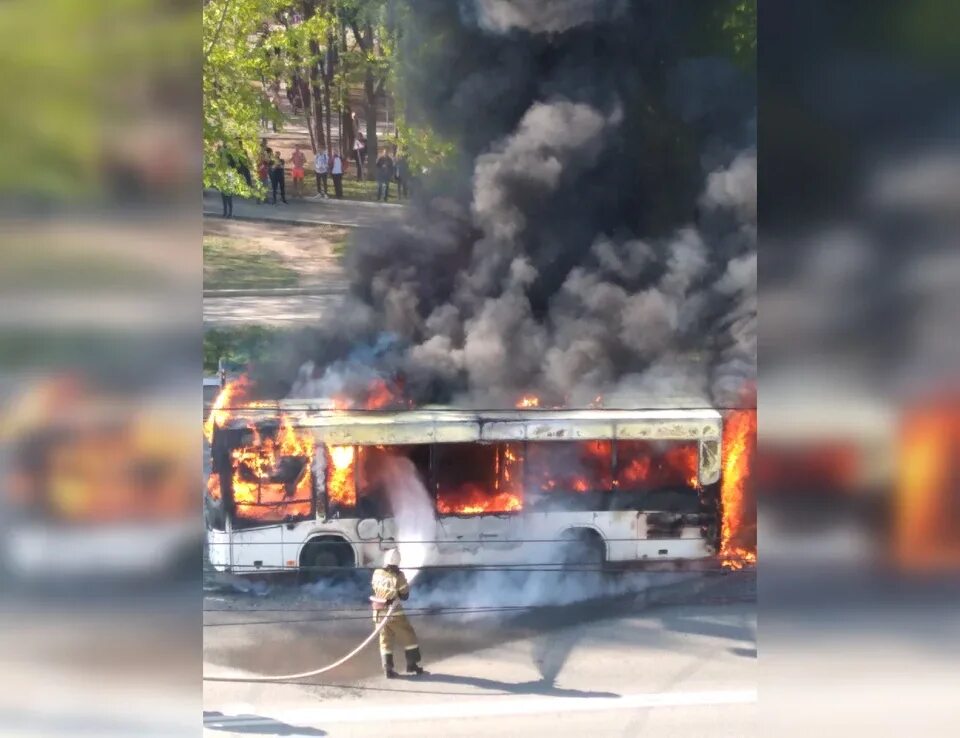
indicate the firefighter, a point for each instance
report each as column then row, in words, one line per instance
column 388, row 584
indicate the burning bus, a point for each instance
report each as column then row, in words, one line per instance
column 303, row 486
column 96, row 483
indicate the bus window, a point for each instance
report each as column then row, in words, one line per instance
column 570, row 474
column 658, row 475
column 372, row 498
column 270, row 477
column 478, row 478
column 340, row 478
column 271, row 490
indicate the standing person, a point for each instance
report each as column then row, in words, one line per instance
column 263, row 173
column 298, row 159
column 242, row 164
column 278, row 178
column 385, row 172
column 359, row 152
column 230, row 180
column 321, row 165
column 337, row 172
column 403, row 177
column 389, row 584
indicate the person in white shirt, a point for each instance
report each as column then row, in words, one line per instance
column 321, row 165
column 337, row 172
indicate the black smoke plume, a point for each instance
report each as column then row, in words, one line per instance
column 599, row 237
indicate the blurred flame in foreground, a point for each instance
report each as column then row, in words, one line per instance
column 927, row 507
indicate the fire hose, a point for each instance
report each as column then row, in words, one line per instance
column 329, row 667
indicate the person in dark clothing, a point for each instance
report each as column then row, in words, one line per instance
column 385, row 172
column 243, row 167
column 360, row 153
column 278, row 179
column 403, row 177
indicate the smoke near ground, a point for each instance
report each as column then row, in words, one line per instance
column 599, row 239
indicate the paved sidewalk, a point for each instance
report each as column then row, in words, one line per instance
column 350, row 213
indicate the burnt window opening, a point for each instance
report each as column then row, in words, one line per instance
column 478, row 478
column 260, row 482
column 658, row 475
column 373, row 476
column 570, row 475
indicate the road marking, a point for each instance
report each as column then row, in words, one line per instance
column 502, row 706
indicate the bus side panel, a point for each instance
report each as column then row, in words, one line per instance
column 258, row 549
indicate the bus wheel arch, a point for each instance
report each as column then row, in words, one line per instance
column 325, row 557
column 583, row 545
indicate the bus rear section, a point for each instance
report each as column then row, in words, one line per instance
column 521, row 488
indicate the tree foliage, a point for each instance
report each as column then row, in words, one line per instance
column 340, row 50
column 237, row 46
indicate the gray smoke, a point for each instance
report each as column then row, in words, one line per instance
column 537, row 16
column 599, row 240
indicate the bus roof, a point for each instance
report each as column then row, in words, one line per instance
column 446, row 425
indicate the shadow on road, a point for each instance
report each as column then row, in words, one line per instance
column 254, row 725
column 544, row 687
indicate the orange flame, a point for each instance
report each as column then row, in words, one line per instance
column 528, row 401
column 233, row 394
column 737, row 536
column 341, row 489
column 472, row 499
column 641, row 464
column 262, row 487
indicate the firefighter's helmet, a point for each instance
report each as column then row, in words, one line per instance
column 392, row 557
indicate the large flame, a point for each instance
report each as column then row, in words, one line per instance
column 737, row 535
column 230, row 397
column 272, row 478
column 528, row 401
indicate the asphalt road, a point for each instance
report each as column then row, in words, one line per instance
column 277, row 310
column 683, row 664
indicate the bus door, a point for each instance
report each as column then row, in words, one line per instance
column 474, row 505
column 657, row 482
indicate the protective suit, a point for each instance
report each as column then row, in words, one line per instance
column 390, row 586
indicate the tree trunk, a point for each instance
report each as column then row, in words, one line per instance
column 316, row 95
column 305, row 104
column 370, row 110
column 328, row 71
column 347, row 135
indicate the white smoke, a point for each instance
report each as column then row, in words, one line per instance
column 412, row 512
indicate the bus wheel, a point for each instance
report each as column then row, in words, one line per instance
column 584, row 550
column 325, row 560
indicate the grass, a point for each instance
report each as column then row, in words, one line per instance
column 238, row 345
column 230, row 263
column 362, row 191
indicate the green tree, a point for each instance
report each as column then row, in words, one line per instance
column 238, row 58
column 369, row 59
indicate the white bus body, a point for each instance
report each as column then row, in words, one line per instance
column 618, row 533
